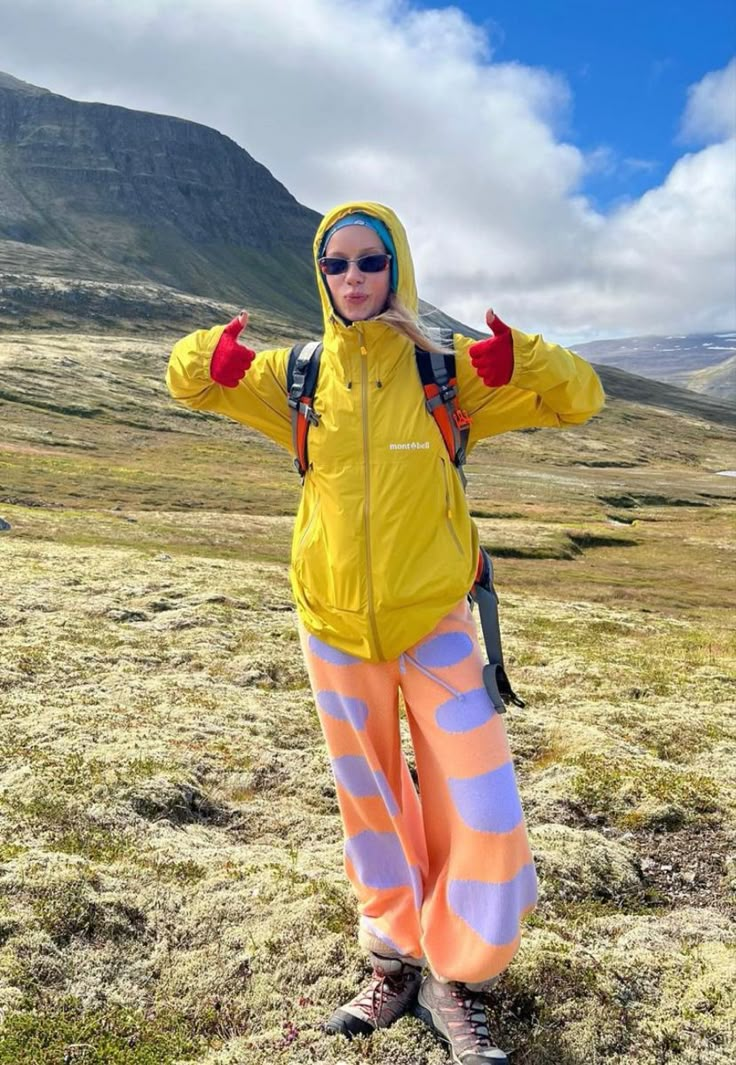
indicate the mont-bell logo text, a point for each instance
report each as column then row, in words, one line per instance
column 413, row 445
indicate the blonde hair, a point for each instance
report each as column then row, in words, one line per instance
column 400, row 318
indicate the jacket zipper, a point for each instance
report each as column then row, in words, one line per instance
column 367, row 473
column 448, row 509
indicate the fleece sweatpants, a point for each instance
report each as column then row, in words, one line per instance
column 446, row 877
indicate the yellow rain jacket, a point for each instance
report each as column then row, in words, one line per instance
column 383, row 543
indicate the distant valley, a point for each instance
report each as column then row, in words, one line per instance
column 703, row 362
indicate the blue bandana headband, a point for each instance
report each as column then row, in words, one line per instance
column 360, row 219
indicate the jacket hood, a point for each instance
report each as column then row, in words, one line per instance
column 406, row 289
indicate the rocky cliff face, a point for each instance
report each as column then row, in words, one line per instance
column 158, row 197
column 145, row 168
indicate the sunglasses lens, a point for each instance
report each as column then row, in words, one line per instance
column 367, row 264
column 333, row 265
column 373, row 264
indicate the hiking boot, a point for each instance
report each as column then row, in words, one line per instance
column 458, row 1017
column 391, row 993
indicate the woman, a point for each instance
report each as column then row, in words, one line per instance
column 383, row 556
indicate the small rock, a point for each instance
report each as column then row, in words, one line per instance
column 251, row 678
column 4, row 525
column 689, row 877
column 159, row 605
column 125, row 615
column 184, row 623
column 163, row 557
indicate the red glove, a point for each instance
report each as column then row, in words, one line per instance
column 494, row 358
column 231, row 360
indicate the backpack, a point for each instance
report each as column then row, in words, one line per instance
column 437, row 372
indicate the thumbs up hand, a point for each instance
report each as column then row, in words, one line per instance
column 493, row 358
column 231, row 360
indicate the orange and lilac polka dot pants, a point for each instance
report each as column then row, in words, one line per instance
column 448, row 877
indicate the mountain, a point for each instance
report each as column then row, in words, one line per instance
column 619, row 384
column 94, row 193
column 699, row 361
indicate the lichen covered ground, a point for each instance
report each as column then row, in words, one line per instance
column 171, row 886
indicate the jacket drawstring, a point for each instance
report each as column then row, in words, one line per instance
column 405, row 656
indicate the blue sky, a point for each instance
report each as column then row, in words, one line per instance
column 628, row 64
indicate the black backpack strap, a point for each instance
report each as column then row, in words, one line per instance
column 496, row 681
column 301, row 383
column 438, row 375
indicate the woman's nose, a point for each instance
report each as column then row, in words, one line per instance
column 353, row 274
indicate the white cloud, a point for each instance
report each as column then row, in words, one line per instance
column 346, row 99
column 669, row 257
column 710, row 114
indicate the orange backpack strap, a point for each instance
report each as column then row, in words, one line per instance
column 301, row 384
column 439, row 381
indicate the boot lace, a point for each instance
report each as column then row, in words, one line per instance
column 384, row 987
column 466, row 1017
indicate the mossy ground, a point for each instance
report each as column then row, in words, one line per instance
column 170, row 849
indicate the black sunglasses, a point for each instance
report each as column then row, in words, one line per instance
column 367, row 264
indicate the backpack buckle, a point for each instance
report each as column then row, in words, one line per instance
column 307, row 411
column 296, row 392
column 461, row 418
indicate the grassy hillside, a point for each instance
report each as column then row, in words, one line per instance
column 717, row 381
column 170, row 850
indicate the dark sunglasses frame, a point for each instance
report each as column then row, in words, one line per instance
column 375, row 263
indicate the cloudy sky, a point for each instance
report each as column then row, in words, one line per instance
column 572, row 164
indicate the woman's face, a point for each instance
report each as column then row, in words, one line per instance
column 355, row 295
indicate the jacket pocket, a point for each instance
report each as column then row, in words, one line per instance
column 308, row 532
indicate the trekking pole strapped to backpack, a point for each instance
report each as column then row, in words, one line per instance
column 437, row 373
column 495, row 679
